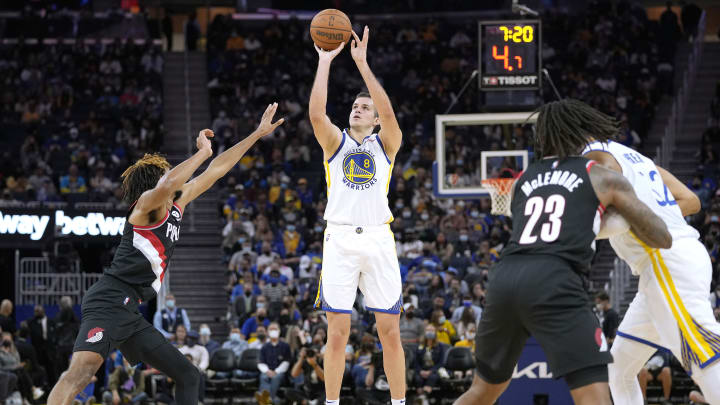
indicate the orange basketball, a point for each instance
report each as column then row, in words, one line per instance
column 329, row 28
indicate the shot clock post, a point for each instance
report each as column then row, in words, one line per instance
column 510, row 55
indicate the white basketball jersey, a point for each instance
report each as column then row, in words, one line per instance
column 642, row 173
column 358, row 177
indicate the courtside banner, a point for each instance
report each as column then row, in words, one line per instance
column 29, row 227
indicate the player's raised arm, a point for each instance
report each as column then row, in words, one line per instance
column 688, row 201
column 389, row 128
column 227, row 160
column 174, row 179
column 612, row 189
column 326, row 133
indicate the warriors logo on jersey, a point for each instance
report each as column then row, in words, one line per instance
column 359, row 169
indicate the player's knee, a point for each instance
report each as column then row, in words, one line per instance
column 78, row 376
column 390, row 336
column 337, row 338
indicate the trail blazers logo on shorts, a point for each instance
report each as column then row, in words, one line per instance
column 95, row 335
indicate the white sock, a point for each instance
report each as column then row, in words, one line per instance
column 397, row 401
column 332, row 402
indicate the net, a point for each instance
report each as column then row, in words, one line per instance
column 499, row 194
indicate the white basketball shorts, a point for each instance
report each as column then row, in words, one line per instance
column 671, row 309
column 364, row 257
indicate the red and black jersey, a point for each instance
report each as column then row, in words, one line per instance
column 142, row 257
column 555, row 211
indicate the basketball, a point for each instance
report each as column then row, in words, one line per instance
column 329, row 28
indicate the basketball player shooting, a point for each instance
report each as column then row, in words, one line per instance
column 110, row 315
column 359, row 248
column 537, row 286
column 670, row 310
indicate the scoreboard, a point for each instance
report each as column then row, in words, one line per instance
column 510, row 55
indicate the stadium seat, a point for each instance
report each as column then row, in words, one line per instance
column 458, row 359
column 223, row 363
column 248, row 362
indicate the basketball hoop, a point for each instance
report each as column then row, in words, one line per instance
column 499, row 189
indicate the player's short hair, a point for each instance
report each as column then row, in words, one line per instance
column 366, row 94
column 565, row 127
column 143, row 175
column 602, row 296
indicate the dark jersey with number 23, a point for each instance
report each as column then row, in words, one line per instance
column 555, row 211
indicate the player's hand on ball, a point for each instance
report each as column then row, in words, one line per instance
column 202, row 140
column 327, row 56
column 266, row 125
column 358, row 47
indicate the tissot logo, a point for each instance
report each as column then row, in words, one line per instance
column 35, row 226
column 533, row 371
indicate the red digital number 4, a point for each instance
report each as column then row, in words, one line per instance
column 505, row 57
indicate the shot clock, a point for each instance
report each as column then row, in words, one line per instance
column 510, row 55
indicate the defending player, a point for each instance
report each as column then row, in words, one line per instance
column 536, row 288
column 671, row 309
column 359, row 248
column 110, row 316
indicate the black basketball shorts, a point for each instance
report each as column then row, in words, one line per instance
column 540, row 296
column 111, row 319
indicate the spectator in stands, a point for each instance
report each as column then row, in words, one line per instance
column 610, row 319
column 657, row 369
column 307, row 376
column 467, row 318
column 67, row 325
column 100, row 184
column 250, row 326
column 41, row 333
column 274, row 362
column 412, row 328
column 126, row 385
column 260, row 338
column 363, row 359
column 8, row 385
column 168, row 318
column 73, row 183
column 428, row 361
column 445, row 331
column 192, row 32
column 468, row 338
column 7, row 321
column 206, row 340
column 247, row 303
column 10, row 362
column 235, row 342
column 198, row 353
column 29, row 356
column 466, row 303
column 715, row 301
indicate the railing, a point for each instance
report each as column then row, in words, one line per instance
column 664, row 152
column 619, row 282
column 35, row 284
column 188, row 123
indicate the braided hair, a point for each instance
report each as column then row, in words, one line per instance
column 565, row 127
column 142, row 176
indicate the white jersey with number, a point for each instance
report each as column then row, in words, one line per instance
column 358, row 177
column 642, row 173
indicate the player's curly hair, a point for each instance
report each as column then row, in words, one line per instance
column 565, row 127
column 143, row 175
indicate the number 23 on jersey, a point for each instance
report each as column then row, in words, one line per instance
column 534, row 208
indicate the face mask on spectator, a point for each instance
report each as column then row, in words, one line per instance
column 399, row 204
column 428, row 185
column 260, row 305
column 474, row 214
column 284, row 319
column 430, row 335
column 261, row 336
column 261, row 317
column 451, row 211
column 441, row 320
column 424, row 216
column 409, row 314
column 291, row 228
column 599, row 307
column 467, row 303
column 241, row 240
column 170, row 304
column 463, row 238
column 470, row 335
column 205, row 331
column 274, row 333
column 248, row 292
column 6, row 343
column 406, row 214
column 235, row 337
column 318, row 229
